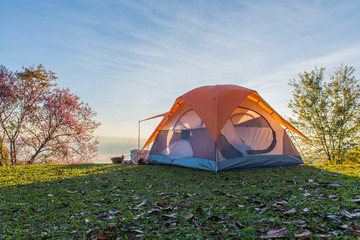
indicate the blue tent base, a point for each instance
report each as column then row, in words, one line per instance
column 247, row 162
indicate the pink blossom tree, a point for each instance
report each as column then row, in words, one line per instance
column 62, row 127
column 7, row 99
column 39, row 122
column 20, row 93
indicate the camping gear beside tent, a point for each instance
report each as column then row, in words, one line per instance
column 221, row 128
column 117, row 160
column 135, row 155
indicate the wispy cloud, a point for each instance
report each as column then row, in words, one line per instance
column 131, row 59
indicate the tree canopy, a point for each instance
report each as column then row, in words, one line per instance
column 40, row 122
column 327, row 110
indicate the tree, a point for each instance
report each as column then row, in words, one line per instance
column 64, row 126
column 39, row 121
column 20, row 93
column 327, row 111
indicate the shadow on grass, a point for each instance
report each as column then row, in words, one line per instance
column 81, row 201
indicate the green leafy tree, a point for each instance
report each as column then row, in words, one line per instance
column 327, row 111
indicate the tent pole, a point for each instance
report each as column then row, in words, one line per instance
column 216, row 157
column 139, row 137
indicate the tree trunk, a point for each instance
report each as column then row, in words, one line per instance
column 33, row 157
column 13, row 153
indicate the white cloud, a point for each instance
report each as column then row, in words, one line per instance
column 131, row 59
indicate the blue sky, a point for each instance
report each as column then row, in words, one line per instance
column 130, row 59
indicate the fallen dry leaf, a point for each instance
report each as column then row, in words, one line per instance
column 140, row 216
column 334, row 184
column 88, row 232
column 290, row 212
column 71, row 192
column 169, row 208
column 135, row 233
column 164, row 194
column 355, row 232
column 104, row 235
column 146, row 202
column 307, row 209
column 325, row 236
column 334, row 217
column 317, row 227
column 188, row 216
column 107, row 200
column 231, row 195
column 306, row 194
column 239, row 225
column 21, row 217
column 173, row 216
column 134, row 208
column 263, row 224
column 355, row 201
column 304, row 235
column 208, row 213
column 185, row 204
column 281, row 198
column 280, row 204
column 346, row 213
column 276, row 233
column 171, row 222
column 356, row 227
column 113, row 211
column 154, row 210
column 105, row 217
column 137, row 197
column 160, row 204
column 296, row 222
column 262, row 210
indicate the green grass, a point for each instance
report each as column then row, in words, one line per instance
column 161, row 202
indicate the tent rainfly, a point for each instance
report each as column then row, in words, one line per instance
column 222, row 128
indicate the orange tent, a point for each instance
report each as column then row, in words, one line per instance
column 214, row 106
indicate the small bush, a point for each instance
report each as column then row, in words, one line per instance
column 352, row 157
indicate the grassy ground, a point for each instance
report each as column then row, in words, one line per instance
column 152, row 202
